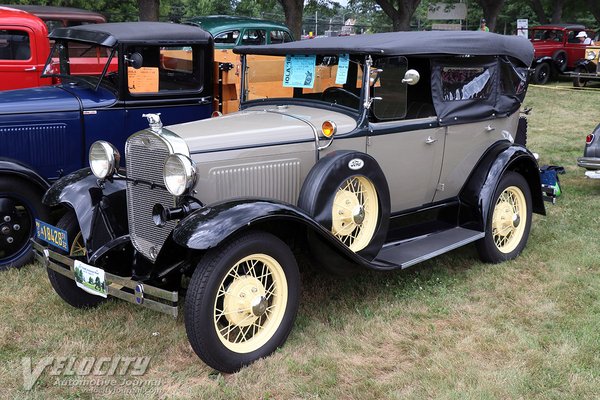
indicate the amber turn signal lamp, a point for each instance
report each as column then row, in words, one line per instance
column 328, row 128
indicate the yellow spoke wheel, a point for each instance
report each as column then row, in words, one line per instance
column 78, row 247
column 355, row 212
column 250, row 303
column 509, row 219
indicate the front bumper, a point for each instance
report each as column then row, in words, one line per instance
column 589, row 162
column 165, row 301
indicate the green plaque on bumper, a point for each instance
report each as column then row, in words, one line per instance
column 90, row 279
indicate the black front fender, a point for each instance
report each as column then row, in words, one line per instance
column 89, row 199
column 477, row 194
column 588, row 65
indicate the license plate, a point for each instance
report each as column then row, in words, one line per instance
column 90, row 279
column 50, row 234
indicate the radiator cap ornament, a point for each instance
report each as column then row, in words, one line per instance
column 154, row 122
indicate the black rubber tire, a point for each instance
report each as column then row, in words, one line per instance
column 320, row 186
column 560, row 60
column 487, row 249
column 541, row 74
column 66, row 288
column 521, row 135
column 577, row 81
column 203, row 289
column 22, row 203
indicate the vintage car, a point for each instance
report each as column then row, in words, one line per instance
column 556, row 49
column 230, row 31
column 24, row 45
column 588, row 68
column 45, row 132
column 376, row 152
column 591, row 154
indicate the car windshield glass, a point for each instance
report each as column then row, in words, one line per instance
column 333, row 79
column 81, row 62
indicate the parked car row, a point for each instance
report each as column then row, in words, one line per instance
column 373, row 152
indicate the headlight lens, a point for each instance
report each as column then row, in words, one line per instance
column 104, row 159
column 179, row 174
column 590, row 55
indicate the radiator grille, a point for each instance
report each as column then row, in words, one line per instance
column 145, row 154
column 275, row 179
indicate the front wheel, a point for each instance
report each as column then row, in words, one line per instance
column 242, row 301
column 20, row 205
column 541, row 75
column 66, row 288
column 508, row 220
column 578, row 81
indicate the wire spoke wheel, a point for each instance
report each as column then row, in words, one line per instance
column 355, row 212
column 509, row 219
column 250, row 303
column 78, row 247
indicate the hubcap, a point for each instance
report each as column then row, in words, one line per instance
column 250, row 303
column 354, row 213
column 16, row 223
column 508, row 220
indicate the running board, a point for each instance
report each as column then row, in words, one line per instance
column 410, row 252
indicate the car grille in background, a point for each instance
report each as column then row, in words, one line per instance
column 278, row 179
column 145, row 155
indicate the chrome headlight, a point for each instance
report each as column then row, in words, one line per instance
column 104, row 159
column 590, row 55
column 179, row 174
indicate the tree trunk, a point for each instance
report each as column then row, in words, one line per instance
column 557, row 11
column 491, row 9
column 538, row 9
column 401, row 15
column 293, row 10
column 148, row 9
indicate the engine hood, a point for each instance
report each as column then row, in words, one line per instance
column 259, row 126
column 59, row 98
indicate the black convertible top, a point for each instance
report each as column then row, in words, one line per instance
column 137, row 32
column 406, row 43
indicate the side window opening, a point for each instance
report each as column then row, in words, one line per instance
column 254, row 36
column 279, row 37
column 229, row 37
column 14, row 45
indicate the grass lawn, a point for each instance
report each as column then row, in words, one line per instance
column 449, row 328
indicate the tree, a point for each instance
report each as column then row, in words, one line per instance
column 594, row 7
column 491, row 10
column 293, row 10
column 149, row 9
column 399, row 11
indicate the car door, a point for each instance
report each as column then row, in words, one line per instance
column 575, row 50
column 406, row 140
column 19, row 65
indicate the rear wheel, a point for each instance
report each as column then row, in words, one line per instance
column 242, row 301
column 65, row 287
column 508, row 220
column 20, row 205
column 541, row 74
column 560, row 60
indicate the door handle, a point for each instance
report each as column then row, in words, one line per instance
column 34, row 68
column 430, row 140
column 489, row 128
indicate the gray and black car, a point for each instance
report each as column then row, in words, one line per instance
column 371, row 152
column 591, row 154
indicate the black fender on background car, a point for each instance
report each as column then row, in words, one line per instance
column 477, row 193
column 588, row 65
column 100, row 208
column 15, row 168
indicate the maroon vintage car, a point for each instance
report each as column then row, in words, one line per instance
column 557, row 49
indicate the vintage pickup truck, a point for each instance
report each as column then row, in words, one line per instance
column 24, row 45
column 46, row 131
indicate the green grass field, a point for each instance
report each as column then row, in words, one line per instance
column 449, row 328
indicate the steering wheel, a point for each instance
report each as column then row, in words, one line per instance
column 333, row 93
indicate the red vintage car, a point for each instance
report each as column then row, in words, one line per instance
column 24, row 45
column 556, row 49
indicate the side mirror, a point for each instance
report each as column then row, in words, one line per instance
column 135, row 60
column 411, row 77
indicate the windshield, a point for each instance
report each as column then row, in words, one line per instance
column 332, row 79
column 80, row 61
